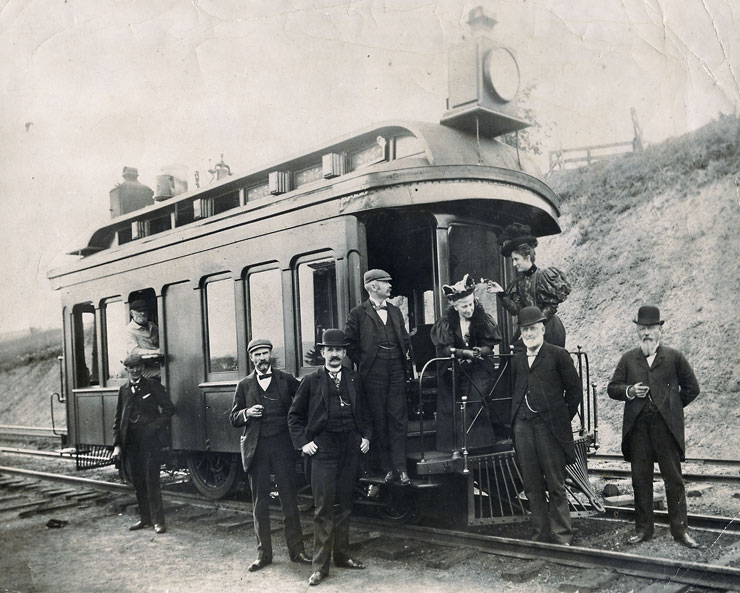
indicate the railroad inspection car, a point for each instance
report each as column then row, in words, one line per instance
column 280, row 252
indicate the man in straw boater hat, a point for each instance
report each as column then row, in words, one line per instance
column 379, row 346
column 544, row 288
column 656, row 383
column 471, row 334
column 261, row 403
column 142, row 413
column 328, row 422
column 546, row 396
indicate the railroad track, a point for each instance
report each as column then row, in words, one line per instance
column 690, row 573
column 14, row 430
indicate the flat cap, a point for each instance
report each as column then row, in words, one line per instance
column 376, row 274
column 132, row 360
column 258, row 343
column 138, row 305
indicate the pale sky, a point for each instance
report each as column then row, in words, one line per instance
column 90, row 86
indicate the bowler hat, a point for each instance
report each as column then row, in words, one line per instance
column 132, row 360
column 648, row 315
column 460, row 289
column 376, row 274
column 138, row 305
column 333, row 338
column 530, row 316
column 258, row 343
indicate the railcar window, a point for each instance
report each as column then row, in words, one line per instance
column 474, row 251
column 115, row 336
column 221, row 315
column 265, row 294
column 86, row 346
column 317, row 298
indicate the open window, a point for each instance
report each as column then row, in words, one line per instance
column 317, row 302
column 220, row 326
column 115, row 320
column 265, row 306
column 85, row 343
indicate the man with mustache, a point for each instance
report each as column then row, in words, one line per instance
column 379, row 346
column 546, row 396
column 657, row 383
column 328, row 421
column 142, row 338
column 261, row 404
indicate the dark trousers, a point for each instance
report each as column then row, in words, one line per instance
column 542, row 462
column 142, row 462
column 651, row 440
column 275, row 455
column 333, row 472
column 385, row 391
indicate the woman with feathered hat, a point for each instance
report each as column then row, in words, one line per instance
column 471, row 333
column 544, row 288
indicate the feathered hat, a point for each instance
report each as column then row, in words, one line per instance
column 460, row 289
column 514, row 235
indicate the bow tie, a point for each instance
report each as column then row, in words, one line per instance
column 265, row 376
column 379, row 307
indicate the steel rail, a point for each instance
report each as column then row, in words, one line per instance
column 705, row 522
column 687, row 476
column 30, row 431
column 691, row 573
column 689, row 460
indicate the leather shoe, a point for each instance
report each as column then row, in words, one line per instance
column 159, row 528
column 640, row 536
column 388, row 478
column 301, row 558
column 349, row 563
column 687, row 540
column 139, row 525
column 259, row 564
column 404, row 479
column 315, row 578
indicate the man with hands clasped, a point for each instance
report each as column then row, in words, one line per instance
column 329, row 422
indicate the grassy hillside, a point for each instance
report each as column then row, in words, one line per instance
column 659, row 227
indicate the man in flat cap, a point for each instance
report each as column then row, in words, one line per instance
column 261, row 403
column 142, row 337
column 328, row 421
column 546, row 396
column 142, row 413
column 656, row 383
column 379, row 346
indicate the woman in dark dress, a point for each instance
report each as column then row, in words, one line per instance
column 472, row 333
column 544, row 288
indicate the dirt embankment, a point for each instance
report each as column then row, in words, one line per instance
column 24, row 394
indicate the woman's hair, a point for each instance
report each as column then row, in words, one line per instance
column 525, row 250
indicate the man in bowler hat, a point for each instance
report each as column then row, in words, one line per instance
column 547, row 393
column 379, row 346
column 656, row 383
column 328, row 421
column 261, row 403
column 142, row 413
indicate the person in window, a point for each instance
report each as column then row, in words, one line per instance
column 544, row 288
column 261, row 403
column 468, row 332
column 142, row 338
column 379, row 346
column 328, row 422
column 140, row 425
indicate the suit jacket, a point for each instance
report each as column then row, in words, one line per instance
column 362, row 332
column 153, row 399
column 247, row 394
column 309, row 412
column 556, row 382
column 672, row 383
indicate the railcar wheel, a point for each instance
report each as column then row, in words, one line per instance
column 399, row 507
column 215, row 475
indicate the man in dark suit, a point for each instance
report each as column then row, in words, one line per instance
column 328, row 421
column 261, row 403
column 657, row 383
column 142, row 413
column 379, row 346
column 547, row 393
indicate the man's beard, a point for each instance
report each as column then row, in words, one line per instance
column 263, row 365
column 648, row 346
column 532, row 343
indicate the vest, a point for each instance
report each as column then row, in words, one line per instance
column 340, row 418
column 274, row 415
column 388, row 346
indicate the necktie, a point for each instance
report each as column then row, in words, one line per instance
column 337, row 380
column 265, row 376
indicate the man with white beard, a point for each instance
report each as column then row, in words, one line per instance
column 657, row 383
column 546, row 396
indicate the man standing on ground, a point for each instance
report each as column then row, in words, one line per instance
column 657, row 383
column 379, row 346
column 142, row 413
column 329, row 423
column 547, row 393
column 261, row 404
